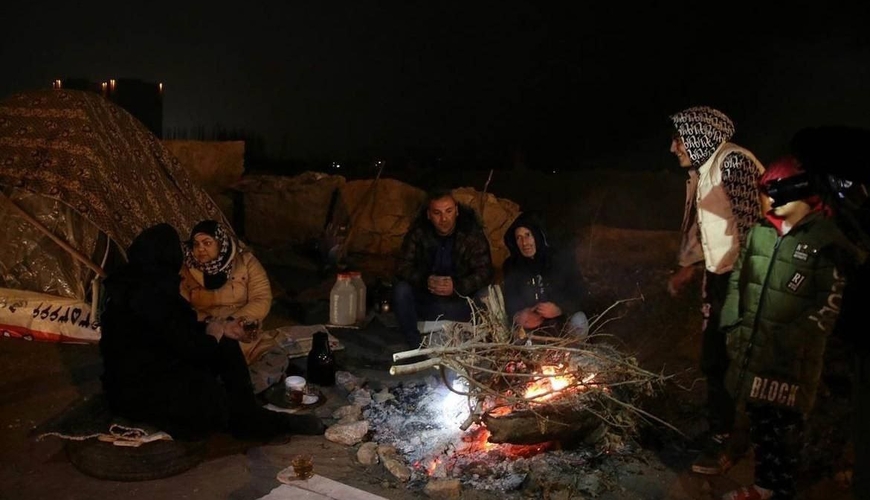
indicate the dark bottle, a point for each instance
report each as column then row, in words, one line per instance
column 321, row 361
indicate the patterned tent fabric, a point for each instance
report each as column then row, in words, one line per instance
column 82, row 149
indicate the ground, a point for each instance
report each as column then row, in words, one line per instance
column 625, row 259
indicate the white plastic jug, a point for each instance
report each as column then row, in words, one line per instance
column 342, row 301
column 360, row 285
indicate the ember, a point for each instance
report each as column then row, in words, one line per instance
column 422, row 424
column 519, row 400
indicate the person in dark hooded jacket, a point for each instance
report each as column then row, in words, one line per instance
column 445, row 257
column 541, row 286
column 722, row 203
column 165, row 368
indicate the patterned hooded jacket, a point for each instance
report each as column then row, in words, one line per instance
column 472, row 262
column 722, row 187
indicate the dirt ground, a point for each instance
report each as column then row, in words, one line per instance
column 39, row 381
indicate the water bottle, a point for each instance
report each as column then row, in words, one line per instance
column 342, row 301
column 360, row 285
column 321, row 361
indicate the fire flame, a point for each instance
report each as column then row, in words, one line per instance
column 548, row 386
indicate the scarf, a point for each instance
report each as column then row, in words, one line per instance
column 217, row 271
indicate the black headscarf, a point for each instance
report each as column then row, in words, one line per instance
column 150, row 275
column 215, row 272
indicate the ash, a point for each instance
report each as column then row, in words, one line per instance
column 423, row 424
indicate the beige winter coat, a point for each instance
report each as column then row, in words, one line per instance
column 247, row 293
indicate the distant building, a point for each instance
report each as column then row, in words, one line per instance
column 144, row 100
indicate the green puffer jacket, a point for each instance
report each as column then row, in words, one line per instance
column 783, row 300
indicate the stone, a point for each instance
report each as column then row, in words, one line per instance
column 398, row 469
column 348, row 381
column 367, row 454
column 443, row 488
column 346, row 411
column 387, row 451
column 383, row 396
column 360, row 397
column 347, row 434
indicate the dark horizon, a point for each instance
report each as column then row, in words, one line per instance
column 484, row 84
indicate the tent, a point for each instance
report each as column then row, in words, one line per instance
column 79, row 178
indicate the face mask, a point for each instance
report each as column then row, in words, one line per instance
column 796, row 187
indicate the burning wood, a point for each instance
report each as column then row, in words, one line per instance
column 536, row 389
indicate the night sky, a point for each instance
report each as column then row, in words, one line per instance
column 486, row 84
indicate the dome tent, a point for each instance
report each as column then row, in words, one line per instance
column 79, row 178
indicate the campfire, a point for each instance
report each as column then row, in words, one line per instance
column 501, row 405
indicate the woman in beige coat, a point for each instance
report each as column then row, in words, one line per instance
column 222, row 280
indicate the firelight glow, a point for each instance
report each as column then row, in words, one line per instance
column 454, row 407
column 548, row 386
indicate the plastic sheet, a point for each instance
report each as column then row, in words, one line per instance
column 30, row 260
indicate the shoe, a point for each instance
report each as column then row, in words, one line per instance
column 715, row 459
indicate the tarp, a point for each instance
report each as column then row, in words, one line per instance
column 92, row 176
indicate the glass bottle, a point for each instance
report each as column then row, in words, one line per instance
column 321, row 361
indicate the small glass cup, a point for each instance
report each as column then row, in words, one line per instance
column 303, row 466
column 251, row 328
column 295, row 389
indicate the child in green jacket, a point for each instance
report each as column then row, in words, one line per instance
column 782, row 302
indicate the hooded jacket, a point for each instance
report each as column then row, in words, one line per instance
column 472, row 262
column 782, row 303
column 722, row 186
column 549, row 276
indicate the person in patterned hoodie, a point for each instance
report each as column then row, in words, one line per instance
column 722, row 203
column 445, row 257
column 782, row 304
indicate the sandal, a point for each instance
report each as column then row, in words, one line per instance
column 748, row 493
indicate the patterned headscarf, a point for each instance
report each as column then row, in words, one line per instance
column 702, row 130
column 215, row 272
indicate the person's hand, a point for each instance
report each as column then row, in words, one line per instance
column 548, row 310
column 233, row 329
column 440, row 285
column 215, row 328
column 528, row 318
column 680, row 279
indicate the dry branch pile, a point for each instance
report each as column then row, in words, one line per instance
column 527, row 388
